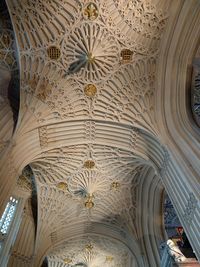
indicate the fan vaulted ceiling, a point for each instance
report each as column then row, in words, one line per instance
column 86, row 121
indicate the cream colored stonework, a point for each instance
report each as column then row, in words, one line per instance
column 123, row 127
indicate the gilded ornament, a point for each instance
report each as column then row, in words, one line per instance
column 89, row 247
column 126, row 55
column 67, row 260
column 109, row 258
column 89, row 164
column 89, row 204
column 91, row 11
column 53, row 52
column 62, row 186
column 90, row 58
column 115, row 186
column 90, row 90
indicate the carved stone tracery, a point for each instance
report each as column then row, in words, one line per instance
column 92, row 251
column 87, row 106
column 190, row 208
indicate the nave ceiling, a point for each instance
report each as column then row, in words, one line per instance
column 86, row 123
column 91, row 251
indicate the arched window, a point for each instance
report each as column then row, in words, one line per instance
column 8, row 215
column 6, row 221
column 9, row 225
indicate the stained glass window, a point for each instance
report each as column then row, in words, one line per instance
column 8, row 215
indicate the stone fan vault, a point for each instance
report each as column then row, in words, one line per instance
column 92, row 130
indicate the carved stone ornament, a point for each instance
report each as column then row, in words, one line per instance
column 109, row 258
column 126, row 56
column 62, row 186
column 195, row 90
column 88, row 59
column 91, row 251
column 67, row 261
column 43, row 136
column 89, row 247
column 25, row 180
column 115, row 186
column 90, row 90
column 89, row 201
column 90, row 11
column 190, row 208
column 24, row 183
column 7, row 50
column 77, row 97
column 89, row 164
column 53, row 52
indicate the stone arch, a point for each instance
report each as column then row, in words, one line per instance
column 97, row 229
column 178, row 131
column 132, row 131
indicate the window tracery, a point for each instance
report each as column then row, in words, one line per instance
column 8, row 215
column 7, row 234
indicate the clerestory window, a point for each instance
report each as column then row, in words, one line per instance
column 9, row 226
column 8, row 216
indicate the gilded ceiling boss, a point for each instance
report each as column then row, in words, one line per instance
column 99, row 133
